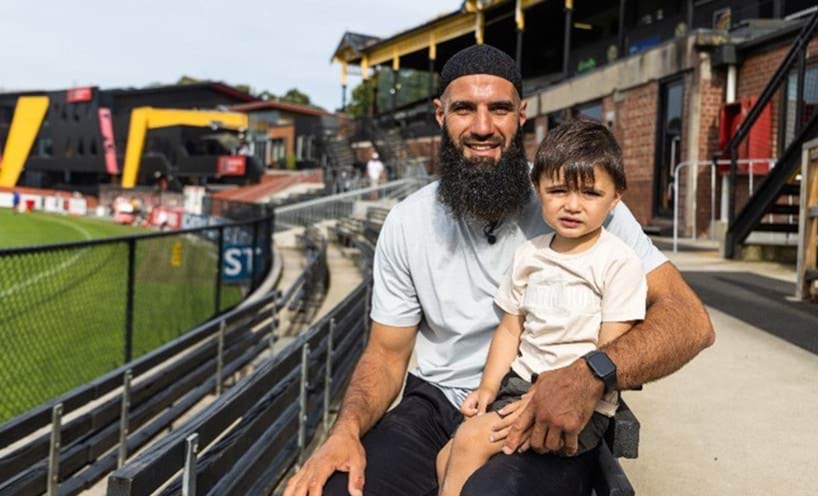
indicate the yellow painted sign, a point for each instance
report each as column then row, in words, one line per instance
column 176, row 253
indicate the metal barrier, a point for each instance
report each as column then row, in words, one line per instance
column 245, row 442
column 340, row 205
column 72, row 312
column 713, row 173
column 807, row 267
column 129, row 407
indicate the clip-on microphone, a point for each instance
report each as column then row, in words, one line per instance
column 488, row 232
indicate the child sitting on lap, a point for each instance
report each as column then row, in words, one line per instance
column 568, row 293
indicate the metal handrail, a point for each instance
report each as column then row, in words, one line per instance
column 713, row 164
column 340, row 205
column 342, row 196
column 796, row 54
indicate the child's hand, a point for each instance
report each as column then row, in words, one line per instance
column 476, row 402
column 508, row 414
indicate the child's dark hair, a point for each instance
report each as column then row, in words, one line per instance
column 575, row 148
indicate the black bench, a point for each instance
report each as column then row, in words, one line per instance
column 375, row 216
column 621, row 441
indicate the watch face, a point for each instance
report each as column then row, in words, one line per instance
column 602, row 364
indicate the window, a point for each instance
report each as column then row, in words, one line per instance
column 591, row 111
column 668, row 149
column 810, row 102
column 44, row 147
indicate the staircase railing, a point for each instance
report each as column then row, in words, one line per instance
column 740, row 226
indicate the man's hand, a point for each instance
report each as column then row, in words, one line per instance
column 477, row 402
column 508, row 415
column 562, row 403
column 342, row 452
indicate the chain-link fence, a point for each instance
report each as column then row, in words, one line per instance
column 72, row 312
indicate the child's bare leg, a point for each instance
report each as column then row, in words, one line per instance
column 470, row 450
column 442, row 461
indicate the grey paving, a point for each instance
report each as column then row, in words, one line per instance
column 740, row 419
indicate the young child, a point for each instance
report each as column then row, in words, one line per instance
column 568, row 293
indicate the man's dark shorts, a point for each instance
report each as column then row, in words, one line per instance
column 513, row 387
column 401, row 450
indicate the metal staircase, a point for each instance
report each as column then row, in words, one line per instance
column 771, row 207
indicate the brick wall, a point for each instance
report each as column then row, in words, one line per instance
column 635, row 129
column 753, row 76
column 712, row 98
column 424, row 150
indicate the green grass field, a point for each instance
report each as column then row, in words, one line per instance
column 62, row 312
column 38, row 228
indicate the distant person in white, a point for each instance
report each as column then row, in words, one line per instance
column 374, row 170
column 568, row 293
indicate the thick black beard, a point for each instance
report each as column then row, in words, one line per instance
column 483, row 188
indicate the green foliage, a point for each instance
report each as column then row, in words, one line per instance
column 185, row 79
column 412, row 86
column 294, row 96
column 244, row 88
column 361, row 98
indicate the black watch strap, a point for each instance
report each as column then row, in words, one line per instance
column 603, row 368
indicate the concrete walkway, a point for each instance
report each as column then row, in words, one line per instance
column 740, row 418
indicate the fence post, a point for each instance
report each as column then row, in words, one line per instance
column 129, row 296
column 367, row 299
column 274, row 322
column 713, row 173
column 123, row 419
column 254, row 259
column 271, row 229
column 53, row 483
column 328, row 373
column 189, row 474
column 302, row 403
column 219, row 263
column 220, row 357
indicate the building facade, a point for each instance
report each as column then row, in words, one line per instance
column 672, row 80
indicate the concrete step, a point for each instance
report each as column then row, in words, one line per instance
column 779, row 227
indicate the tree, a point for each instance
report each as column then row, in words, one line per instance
column 296, row 97
column 185, row 79
column 361, row 98
column 244, row 88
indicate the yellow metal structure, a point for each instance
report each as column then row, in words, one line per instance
column 519, row 16
column 146, row 118
column 479, row 27
column 431, row 34
column 28, row 116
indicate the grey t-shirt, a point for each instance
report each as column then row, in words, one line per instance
column 441, row 274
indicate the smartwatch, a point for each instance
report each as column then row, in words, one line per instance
column 603, row 368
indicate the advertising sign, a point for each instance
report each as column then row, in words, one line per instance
column 232, row 165
column 237, row 263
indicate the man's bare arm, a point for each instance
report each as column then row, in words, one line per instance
column 377, row 378
column 676, row 328
column 375, row 383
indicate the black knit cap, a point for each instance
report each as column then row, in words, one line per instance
column 481, row 59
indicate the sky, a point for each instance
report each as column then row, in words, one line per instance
column 271, row 45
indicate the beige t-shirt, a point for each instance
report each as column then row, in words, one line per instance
column 565, row 299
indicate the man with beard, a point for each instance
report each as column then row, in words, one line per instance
column 438, row 263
